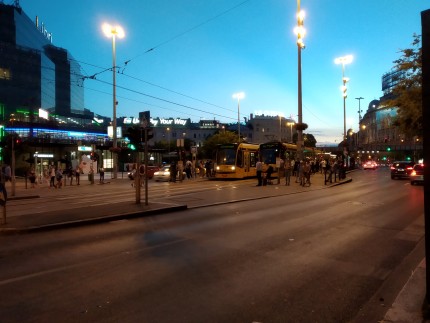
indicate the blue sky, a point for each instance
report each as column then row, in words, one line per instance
column 201, row 56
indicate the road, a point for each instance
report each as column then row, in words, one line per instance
column 332, row 255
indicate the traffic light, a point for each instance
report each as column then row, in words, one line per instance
column 388, row 148
column 131, row 146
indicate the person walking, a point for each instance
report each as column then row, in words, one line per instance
column 59, row 178
column 7, row 173
column 259, row 168
column 287, row 171
column 307, row 170
column 102, row 175
column 77, row 175
column 52, row 177
column 32, row 177
column 71, row 174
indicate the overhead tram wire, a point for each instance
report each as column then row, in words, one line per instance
column 184, row 95
column 188, row 30
column 93, row 77
column 168, row 101
column 146, row 103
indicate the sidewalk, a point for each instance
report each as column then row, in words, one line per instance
column 114, row 211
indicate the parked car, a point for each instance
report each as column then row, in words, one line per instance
column 401, row 169
column 370, row 164
column 163, row 175
column 417, row 174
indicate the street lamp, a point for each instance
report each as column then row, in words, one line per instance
column 343, row 61
column 291, row 124
column 359, row 109
column 300, row 31
column 114, row 31
column 238, row 96
column 168, row 140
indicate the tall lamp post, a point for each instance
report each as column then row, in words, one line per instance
column 359, row 109
column 300, row 31
column 343, row 61
column 238, row 96
column 291, row 124
column 114, row 31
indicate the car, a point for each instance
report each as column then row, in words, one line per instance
column 163, row 175
column 151, row 171
column 417, row 174
column 401, row 169
column 370, row 164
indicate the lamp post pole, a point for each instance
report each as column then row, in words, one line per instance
column 113, row 32
column 300, row 31
column 359, row 109
column 343, row 61
column 291, row 124
column 238, row 96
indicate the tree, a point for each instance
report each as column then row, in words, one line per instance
column 308, row 139
column 407, row 93
column 224, row 137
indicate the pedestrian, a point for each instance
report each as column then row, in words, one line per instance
column 52, row 173
column 301, row 175
column 71, row 173
column 259, row 168
column 307, row 170
column 188, row 169
column 142, row 174
column 102, row 175
column 269, row 173
column 59, row 178
column 77, row 175
column 329, row 171
column 208, row 168
column 287, row 171
column 32, row 178
column 7, row 173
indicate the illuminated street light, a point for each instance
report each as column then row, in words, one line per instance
column 113, row 32
column 238, row 96
column 300, row 31
column 343, row 61
column 291, row 124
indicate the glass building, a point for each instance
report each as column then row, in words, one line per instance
column 33, row 72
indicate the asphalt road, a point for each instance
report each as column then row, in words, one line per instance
column 333, row 255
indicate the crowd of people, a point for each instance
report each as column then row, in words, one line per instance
column 333, row 170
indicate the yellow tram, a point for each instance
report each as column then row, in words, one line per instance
column 236, row 161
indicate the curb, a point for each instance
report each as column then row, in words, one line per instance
column 96, row 220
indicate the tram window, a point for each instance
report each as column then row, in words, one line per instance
column 253, row 157
column 239, row 161
column 226, row 157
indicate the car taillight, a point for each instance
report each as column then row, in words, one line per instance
column 409, row 168
column 392, row 168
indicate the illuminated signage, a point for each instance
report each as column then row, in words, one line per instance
column 85, row 148
column 131, row 120
column 160, row 122
column 118, row 132
column 43, row 155
column 43, row 114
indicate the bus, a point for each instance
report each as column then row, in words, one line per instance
column 236, row 161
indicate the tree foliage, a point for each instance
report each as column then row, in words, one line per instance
column 224, row 137
column 407, row 93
